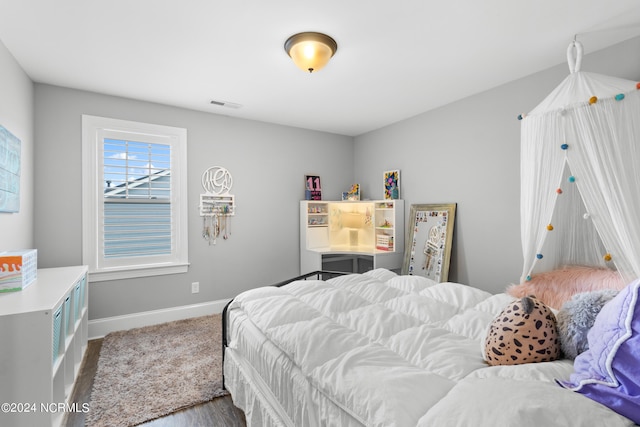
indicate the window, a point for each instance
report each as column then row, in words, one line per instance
column 134, row 198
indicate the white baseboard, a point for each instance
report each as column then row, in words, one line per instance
column 98, row 328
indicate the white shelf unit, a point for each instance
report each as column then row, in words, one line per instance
column 44, row 337
column 332, row 231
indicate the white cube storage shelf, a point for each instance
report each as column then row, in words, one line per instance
column 44, row 337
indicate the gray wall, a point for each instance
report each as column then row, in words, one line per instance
column 468, row 152
column 16, row 115
column 268, row 163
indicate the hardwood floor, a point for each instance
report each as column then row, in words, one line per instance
column 218, row 412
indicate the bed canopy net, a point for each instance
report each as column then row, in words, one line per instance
column 580, row 175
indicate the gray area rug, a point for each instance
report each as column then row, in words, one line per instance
column 150, row 372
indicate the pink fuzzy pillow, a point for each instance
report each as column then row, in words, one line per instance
column 556, row 287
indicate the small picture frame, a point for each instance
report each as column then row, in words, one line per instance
column 313, row 189
column 353, row 193
column 392, row 184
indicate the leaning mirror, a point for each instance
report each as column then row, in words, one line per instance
column 429, row 239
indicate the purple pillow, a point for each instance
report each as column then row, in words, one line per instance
column 608, row 372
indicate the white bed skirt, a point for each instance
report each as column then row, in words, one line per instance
column 245, row 395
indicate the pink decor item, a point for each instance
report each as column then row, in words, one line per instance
column 556, row 287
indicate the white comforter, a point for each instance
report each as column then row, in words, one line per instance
column 389, row 350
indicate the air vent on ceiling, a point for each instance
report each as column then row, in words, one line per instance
column 225, row 104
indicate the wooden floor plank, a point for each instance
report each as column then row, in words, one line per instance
column 217, row 412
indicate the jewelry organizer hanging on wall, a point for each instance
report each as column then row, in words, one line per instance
column 216, row 205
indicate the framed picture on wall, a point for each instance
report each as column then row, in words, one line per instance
column 9, row 171
column 313, row 189
column 392, row 184
column 430, row 236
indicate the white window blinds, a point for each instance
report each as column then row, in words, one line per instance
column 137, row 198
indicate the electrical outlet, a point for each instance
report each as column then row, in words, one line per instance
column 195, row 287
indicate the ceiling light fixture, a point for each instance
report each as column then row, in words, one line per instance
column 310, row 51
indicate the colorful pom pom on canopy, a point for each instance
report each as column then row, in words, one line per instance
column 593, row 100
column 620, row 97
column 607, row 257
column 550, row 227
column 572, row 178
column 539, row 256
column 559, row 191
column 638, row 85
column 528, row 278
column 564, row 146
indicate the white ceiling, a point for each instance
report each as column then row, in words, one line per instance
column 395, row 59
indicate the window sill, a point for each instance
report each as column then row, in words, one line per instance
column 135, row 272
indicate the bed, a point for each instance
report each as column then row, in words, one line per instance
column 381, row 349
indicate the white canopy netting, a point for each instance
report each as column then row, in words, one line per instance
column 580, row 175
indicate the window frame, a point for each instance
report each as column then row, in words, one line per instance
column 94, row 130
